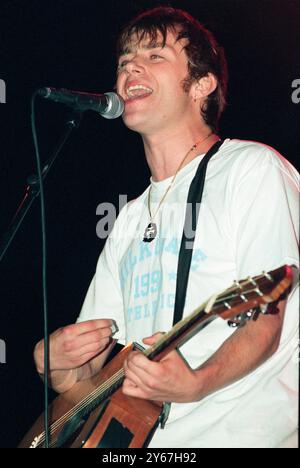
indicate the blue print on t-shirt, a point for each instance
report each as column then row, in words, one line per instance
column 148, row 274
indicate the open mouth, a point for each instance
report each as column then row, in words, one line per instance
column 138, row 92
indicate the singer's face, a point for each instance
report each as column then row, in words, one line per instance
column 150, row 80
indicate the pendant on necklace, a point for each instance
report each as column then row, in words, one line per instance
column 150, row 232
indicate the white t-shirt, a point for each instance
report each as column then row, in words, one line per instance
column 248, row 223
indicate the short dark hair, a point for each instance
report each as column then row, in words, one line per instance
column 203, row 52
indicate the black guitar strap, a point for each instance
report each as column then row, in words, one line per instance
column 189, row 232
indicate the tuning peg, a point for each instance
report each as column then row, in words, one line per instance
column 238, row 321
column 241, row 319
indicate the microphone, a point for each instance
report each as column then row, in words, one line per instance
column 109, row 105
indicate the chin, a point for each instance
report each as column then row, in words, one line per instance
column 134, row 122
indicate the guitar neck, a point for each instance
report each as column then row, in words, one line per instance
column 180, row 333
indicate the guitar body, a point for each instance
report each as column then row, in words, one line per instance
column 131, row 420
column 125, row 422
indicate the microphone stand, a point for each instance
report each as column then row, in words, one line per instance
column 33, row 189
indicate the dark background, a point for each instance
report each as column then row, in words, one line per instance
column 70, row 43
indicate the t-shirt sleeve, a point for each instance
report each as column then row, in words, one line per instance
column 265, row 227
column 265, row 213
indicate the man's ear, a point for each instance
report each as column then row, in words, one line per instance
column 205, row 86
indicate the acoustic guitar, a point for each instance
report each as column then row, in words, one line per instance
column 95, row 412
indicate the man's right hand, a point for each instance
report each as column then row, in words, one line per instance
column 73, row 346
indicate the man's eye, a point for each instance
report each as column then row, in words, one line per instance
column 122, row 64
column 155, row 57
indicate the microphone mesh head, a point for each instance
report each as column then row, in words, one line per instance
column 115, row 106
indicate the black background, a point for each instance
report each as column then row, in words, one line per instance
column 70, row 43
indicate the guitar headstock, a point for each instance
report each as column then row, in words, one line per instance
column 255, row 292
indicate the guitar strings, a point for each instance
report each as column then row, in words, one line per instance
column 84, row 403
column 71, row 413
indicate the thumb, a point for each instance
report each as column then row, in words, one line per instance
column 150, row 340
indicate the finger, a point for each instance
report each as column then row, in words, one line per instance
column 89, row 325
column 95, row 348
column 143, row 367
column 131, row 389
column 95, row 336
column 76, row 359
column 150, row 340
column 133, row 377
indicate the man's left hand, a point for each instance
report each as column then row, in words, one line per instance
column 167, row 380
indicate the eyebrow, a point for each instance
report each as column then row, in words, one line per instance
column 151, row 45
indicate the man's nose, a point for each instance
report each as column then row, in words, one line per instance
column 135, row 65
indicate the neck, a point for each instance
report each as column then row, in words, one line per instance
column 165, row 153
